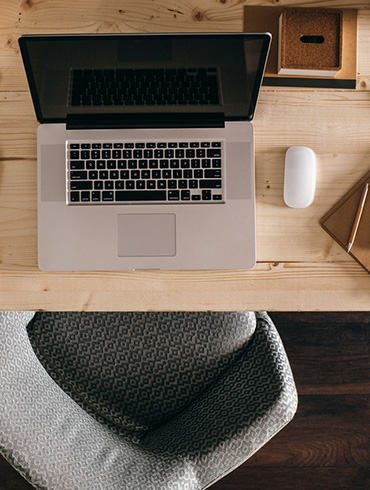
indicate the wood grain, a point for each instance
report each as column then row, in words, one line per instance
column 299, row 265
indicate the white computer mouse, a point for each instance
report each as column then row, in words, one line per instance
column 299, row 176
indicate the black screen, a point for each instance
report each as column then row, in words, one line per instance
column 144, row 74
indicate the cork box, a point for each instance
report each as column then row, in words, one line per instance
column 310, row 42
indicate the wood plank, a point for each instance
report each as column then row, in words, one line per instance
column 14, row 481
column 280, row 286
column 296, row 478
column 327, row 431
column 328, row 354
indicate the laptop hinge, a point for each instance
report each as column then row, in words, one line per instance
column 154, row 120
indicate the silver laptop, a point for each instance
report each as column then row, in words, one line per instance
column 145, row 149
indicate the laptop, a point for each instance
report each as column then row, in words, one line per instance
column 145, row 149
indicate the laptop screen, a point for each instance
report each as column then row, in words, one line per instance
column 79, row 75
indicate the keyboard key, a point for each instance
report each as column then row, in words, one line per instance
column 93, row 174
column 210, row 184
column 214, row 153
column 212, row 174
column 173, row 195
column 185, row 195
column 140, row 195
column 85, row 196
column 107, row 195
column 77, row 165
column 75, row 197
column 75, row 175
column 217, row 197
column 74, row 155
column 206, row 195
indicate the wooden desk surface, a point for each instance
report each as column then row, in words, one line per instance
column 299, row 266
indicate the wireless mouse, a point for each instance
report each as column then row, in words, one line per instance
column 299, row 176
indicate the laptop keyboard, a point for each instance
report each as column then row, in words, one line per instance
column 138, row 172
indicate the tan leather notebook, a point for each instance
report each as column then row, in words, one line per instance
column 339, row 220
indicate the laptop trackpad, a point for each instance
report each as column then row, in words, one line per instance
column 146, row 235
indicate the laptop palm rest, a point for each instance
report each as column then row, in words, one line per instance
column 146, row 235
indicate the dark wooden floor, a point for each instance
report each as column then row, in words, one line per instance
column 327, row 445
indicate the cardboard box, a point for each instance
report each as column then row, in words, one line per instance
column 310, row 42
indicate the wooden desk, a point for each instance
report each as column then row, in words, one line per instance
column 299, row 266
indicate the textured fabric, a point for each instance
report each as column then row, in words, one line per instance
column 56, row 445
column 138, row 369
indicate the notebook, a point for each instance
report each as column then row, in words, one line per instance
column 339, row 220
column 145, row 149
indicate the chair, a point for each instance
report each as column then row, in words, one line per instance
column 134, row 401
